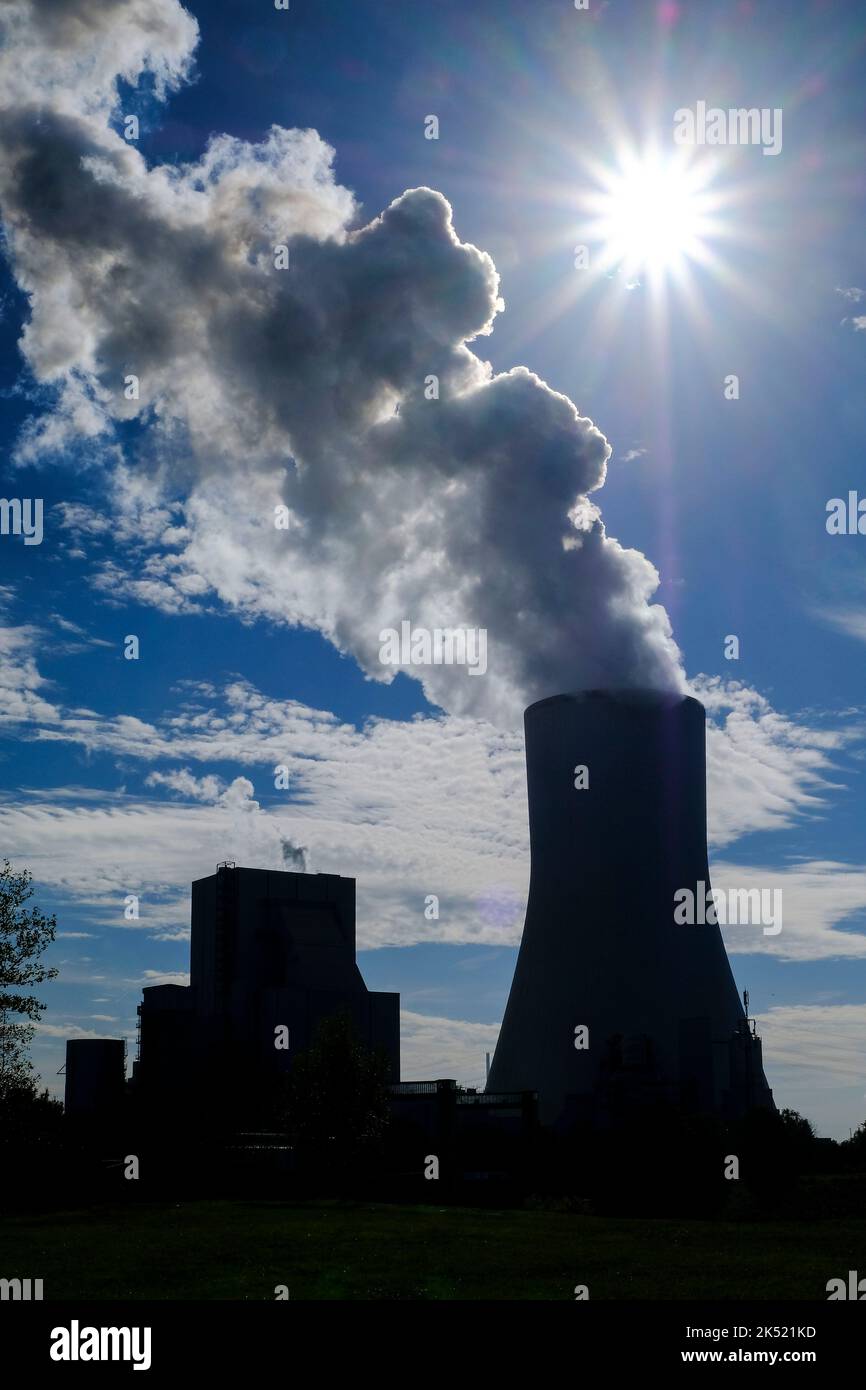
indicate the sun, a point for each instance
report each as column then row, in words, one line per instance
column 666, row 221
column 650, row 215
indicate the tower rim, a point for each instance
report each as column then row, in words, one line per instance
column 638, row 696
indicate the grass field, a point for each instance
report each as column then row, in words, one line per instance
column 332, row 1250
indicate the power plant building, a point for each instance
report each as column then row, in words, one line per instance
column 270, row 951
column 614, row 1004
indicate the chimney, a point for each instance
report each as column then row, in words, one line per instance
column 613, row 1004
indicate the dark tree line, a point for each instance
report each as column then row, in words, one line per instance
column 25, row 933
column 30, row 1120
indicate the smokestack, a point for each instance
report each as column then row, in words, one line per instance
column 613, row 1003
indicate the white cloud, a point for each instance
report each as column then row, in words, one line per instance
column 436, row 1048
column 159, row 977
column 430, row 806
column 813, row 1055
column 74, row 1030
column 21, row 685
column 71, row 51
column 182, row 781
column 455, row 826
column 850, row 621
column 765, row 770
column 823, row 909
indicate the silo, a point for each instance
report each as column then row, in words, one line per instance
column 95, row 1076
column 613, row 1003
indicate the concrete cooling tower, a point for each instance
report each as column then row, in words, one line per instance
column 613, row 1003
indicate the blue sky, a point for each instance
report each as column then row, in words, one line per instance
column 137, row 776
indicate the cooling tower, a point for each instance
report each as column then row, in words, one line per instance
column 601, row 951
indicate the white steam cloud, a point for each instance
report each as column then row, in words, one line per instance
column 302, row 386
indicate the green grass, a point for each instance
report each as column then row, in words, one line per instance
column 332, row 1250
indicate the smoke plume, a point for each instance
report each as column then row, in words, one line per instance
column 460, row 504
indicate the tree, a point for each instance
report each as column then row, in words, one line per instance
column 799, row 1130
column 25, row 933
column 337, row 1100
column 854, row 1148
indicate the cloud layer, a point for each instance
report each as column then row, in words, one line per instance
column 431, row 806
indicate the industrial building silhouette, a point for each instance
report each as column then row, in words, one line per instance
column 269, row 950
column 600, row 952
